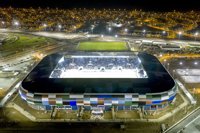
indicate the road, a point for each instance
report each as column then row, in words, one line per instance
column 191, row 124
column 14, row 88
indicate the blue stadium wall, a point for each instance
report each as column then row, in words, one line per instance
column 128, row 101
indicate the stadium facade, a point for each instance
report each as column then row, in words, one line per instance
column 123, row 80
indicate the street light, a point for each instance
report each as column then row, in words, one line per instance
column 45, row 25
column 16, row 24
column 164, row 62
column 179, row 34
column 75, row 28
column 92, row 28
column 109, row 29
column 2, row 22
column 195, row 35
column 144, row 31
column 168, row 66
column 59, row 26
column 125, row 115
column 173, row 73
column 194, row 89
column 126, row 30
column 164, row 32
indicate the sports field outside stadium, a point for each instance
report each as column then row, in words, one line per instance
column 102, row 46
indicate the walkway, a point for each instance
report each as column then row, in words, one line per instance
column 190, row 97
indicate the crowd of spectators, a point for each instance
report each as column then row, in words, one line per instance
column 96, row 64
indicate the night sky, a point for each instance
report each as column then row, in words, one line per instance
column 155, row 5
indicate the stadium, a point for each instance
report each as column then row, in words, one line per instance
column 123, row 80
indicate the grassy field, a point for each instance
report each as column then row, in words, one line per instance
column 101, row 46
column 22, row 41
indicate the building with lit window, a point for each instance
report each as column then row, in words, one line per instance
column 123, row 80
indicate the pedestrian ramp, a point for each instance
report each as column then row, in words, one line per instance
column 187, row 93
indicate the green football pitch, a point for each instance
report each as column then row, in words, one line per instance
column 102, row 46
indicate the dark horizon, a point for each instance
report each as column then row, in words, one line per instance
column 146, row 5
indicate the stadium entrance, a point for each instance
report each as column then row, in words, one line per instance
column 97, row 113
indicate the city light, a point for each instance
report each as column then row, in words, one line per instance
column 109, row 28
column 144, row 31
column 126, row 30
column 16, row 23
column 195, row 63
column 102, row 36
column 164, row 32
column 116, row 36
column 181, row 63
column 196, row 34
column 59, row 26
column 179, row 34
column 2, row 22
column 45, row 25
